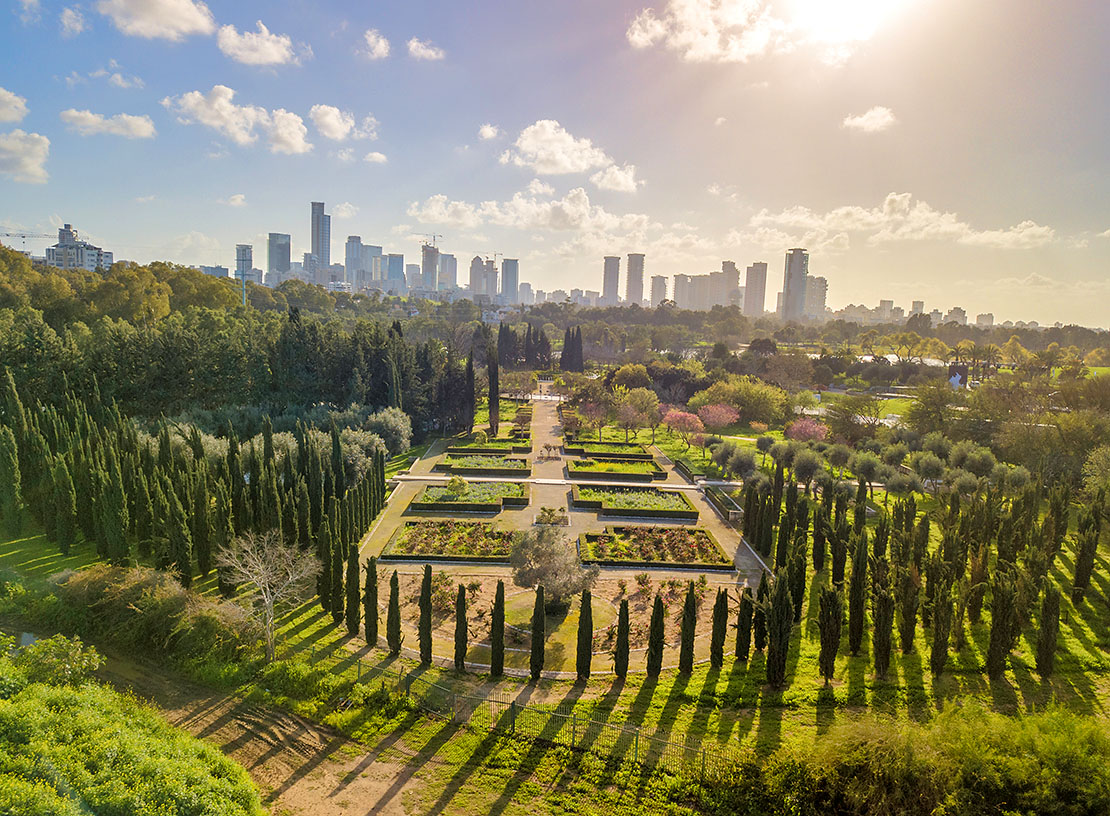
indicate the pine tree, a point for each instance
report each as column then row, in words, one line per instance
column 370, row 602
column 620, row 652
column 585, row 636
column 759, row 620
column 497, row 632
column 780, row 622
column 393, row 618
column 857, row 596
column 744, row 625
column 323, row 553
column 337, row 562
column 1049, row 631
column 11, row 496
column 539, row 634
column 353, row 600
column 144, row 515
column 719, row 630
column 655, row 639
column 424, row 628
column 65, row 507
column 830, row 620
column 461, row 632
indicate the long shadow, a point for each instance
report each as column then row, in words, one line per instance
column 471, row 764
column 826, row 709
column 413, row 766
column 731, row 699
column 917, row 701
column 705, row 706
column 627, row 737
column 768, row 735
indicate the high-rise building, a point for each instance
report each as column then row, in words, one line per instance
column 490, row 270
column 321, row 234
column 610, row 281
column 917, row 308
column 658, row 290
column 510, row 281
column 984, row 320
column 244, row 260
column 277, row 255
column 725, row 285
column 352, row 260
column 429, row 267
column 412, row 276
column 215, row 271
column 395, row 273
column 634, row 279
column 448, row 272
column 477, row 276
column 817, row 291
column 72, row 253
column 755, row 289
column 794, row 284
column 525, row 293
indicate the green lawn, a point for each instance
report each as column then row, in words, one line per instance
column 633, row 498
column 609, row 466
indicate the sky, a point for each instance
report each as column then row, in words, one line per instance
column 940, row 150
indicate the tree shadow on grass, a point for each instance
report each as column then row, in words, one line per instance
column 826, row 709
column 414, row 765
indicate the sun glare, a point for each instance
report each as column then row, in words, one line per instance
column 843, row 21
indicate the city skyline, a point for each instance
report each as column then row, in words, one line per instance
column 198, row 133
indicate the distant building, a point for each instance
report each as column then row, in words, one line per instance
column 985, row 320
column 489, row 268
column 429, row 267
column 448, row 272
column 395, row 273
column 510, row 281
column 320, row 227
column 215, row 271
column 956, row 315
column 278, row 246
column 477, row 276
column 634, row 279
column 412, row 276
column 244, row 260
column 817, row 291
column 72, row 253
column 658, row 289
column 755, row 289
column 610, row 281
column 794, row 284
column 918, row 307
column 524, row 293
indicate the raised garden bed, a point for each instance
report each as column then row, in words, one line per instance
column 654, row 547
column 449, row 541
column 610, row 450
column 494, row 447
column 484, row 465
column 634, row 502
column 480, row 497
column 622, row 470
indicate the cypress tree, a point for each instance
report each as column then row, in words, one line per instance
column 353, row 600
column 114, row 524
column 820, row 527
column 759, row 620
column 494, row 394
column 830, row 619
column 337, row 595
column 497, row 632
column 424, row 629
column 539, row 633
column 144, row 515
column 620, row 653
column 719, row 630
column 468, row 396
column 202, row 525
column 338, row 476
column 797, row 576
column 780, row 621
column 180, row 542
column 585, row 636
column 460, row 630
column 687, row 631
column 744, row 625
column 235, row 482
column 882, row 613
column 1048, row 631
column 304, row 515
column 1086, row 551
column 11, row 497
column 1003, row 622
column 942, row 628
column 370, row 602
column 289, row 529
column 838, row 544
column 857, row 596
column 655, row 639
column 393, row 618
column 323, row 552
column 909, row 594
column 65, row 507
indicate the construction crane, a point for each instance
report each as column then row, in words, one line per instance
column 432, row 235
column 23, row 236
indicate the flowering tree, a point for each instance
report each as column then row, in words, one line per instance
column 716, row 417
column 684, row 424
column 806, row 429
column 594, row 414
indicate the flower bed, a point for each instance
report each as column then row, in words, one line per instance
column 484, row 465
column 493, row 447
column 654, row 546
column 635, row 502
column 449, row 541
column 609, row 450
column 601, row 468
column 480, row 497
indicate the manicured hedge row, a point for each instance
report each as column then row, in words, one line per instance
column 657, row 473
column 519, row 473
column 684, row 470
column 463, row 450
column 579, row 449
column 721, row 501
column 387, row 555
column 583, row 504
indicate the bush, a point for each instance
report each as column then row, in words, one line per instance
column 296, row 680
column 393, row 426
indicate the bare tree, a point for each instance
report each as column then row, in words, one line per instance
column 281, row 574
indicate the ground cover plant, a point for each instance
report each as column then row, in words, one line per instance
column 610, row 466
column 675, row 545
column 451, row 538
column 622, row 498
column 475, row 493
column 479, row 462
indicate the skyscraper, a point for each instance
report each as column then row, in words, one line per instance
column 510, row 281
column 817, row 290
column 352, row 261
column 658, row 290
column 244, row 260
column 755, row 289
column 429, row 267
column 395, row 273
column 610, row 281
column 448, row 272
column 412, row 276
column 277, row 255
column 477, row 276
column 794, row 284
column 490, row 268
column 634, row 279
column 321, row 234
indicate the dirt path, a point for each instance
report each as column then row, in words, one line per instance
column 299, row 766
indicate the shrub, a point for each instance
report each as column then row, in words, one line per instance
column 806, row 429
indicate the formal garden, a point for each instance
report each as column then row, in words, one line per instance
column 617, row 469
column 646, row 502
column 460, row 496
column 450, row 540
column 654, row 546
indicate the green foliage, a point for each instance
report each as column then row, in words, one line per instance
column 393, row 635
column 830, row 619
column 1048, row 631
column 370, row 602
column 719, row 629
column 620, row 650
column 780, row 621
column 57, row 660
column 759, row 621
column 744, row 625
column 353, row 612
column 857, row 597
column 687, row 631
column 619, row 498
column 471, row 493
column 461, row 633
column 655, row 639
column 497, row 632
column 424, row 626
column 11, row 497
column 539, row 636
column 585, row 645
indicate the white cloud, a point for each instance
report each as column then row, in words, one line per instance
column 377, row 46
column 1105, row 234
column 12, row 106
column 145, row 199
column 112, row 74
column 237, row 200
column 720, row 120
column 375, row 157
column 539, row 188
column 488, row 131
column 162, row 19
column 711, row 30
column 345, row 154
column 72, row 22
column 547, row 148
column 23, row 156
column 338, row 125
column 424, row 50
column 88, row 123
column 31, row 11
column 344, row 209
column 873, row 121
column 728, row 194
column 241, row 123
column 898, row 218
column 621, row 179
column 256, row 47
